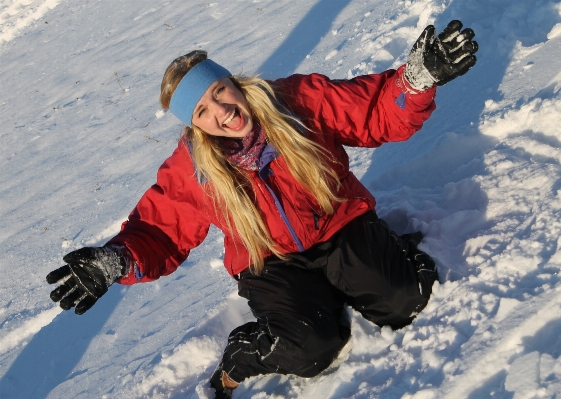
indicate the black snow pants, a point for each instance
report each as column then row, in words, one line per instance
column 298, row 303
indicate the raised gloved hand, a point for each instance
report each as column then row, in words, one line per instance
column 438, row 61
column 87, row 276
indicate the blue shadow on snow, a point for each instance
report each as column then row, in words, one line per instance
column 52, row 353
column 302, row 39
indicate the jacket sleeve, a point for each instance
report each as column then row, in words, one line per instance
column 168, row 221
column 365, row 111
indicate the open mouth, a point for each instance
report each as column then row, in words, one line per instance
column 235, row 121
column 230, row 117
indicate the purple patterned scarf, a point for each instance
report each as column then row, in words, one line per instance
column 245, row 152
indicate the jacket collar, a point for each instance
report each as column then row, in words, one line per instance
column 268, row 155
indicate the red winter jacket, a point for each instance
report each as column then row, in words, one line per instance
column 174, row 215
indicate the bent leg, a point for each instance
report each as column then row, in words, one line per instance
column 384, row 276
column 298, row 329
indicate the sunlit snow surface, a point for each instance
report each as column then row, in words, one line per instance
column 16, row 15
column 82, row 136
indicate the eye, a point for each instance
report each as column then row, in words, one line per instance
column 201, row 112
column 220, row 90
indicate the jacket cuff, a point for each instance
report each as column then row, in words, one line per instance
column 408, row 98
column 406, row 86
column 134, row 272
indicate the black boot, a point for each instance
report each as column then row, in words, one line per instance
column 413, row 239
column 216, row 383
column 426, row 270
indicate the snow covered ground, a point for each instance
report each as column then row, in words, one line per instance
column 82, row 135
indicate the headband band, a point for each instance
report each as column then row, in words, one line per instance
column 192, row 87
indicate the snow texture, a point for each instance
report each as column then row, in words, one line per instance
column 82, row 136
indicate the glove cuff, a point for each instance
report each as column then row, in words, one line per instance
column 418, row 77
column 119, row 265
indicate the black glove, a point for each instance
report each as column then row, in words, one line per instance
column 438, row 61
column 87, row 276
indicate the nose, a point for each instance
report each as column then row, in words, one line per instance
column 218, row 108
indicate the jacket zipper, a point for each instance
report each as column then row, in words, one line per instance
column 280, row 209
column 316, row 220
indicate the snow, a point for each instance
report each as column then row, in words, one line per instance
column 82, row 136
column 16, row 15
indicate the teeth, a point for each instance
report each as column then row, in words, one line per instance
column 230, row 117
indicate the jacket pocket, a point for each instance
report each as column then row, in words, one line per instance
column 316, row 220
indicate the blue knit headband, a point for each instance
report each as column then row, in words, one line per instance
column 192, row 87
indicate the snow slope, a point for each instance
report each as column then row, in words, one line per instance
column 82, row 136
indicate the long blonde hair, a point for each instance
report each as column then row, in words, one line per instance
column 229, row 186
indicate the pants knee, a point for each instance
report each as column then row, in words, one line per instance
column 318, row 353
column 252, row 350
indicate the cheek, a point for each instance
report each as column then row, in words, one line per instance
column 237, row 96
column 204, row 124
column 241, row 100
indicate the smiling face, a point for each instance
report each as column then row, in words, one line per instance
column 223, row 111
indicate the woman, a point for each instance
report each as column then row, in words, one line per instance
column 264, row 161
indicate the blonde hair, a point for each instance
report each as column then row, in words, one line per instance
column 229, row 186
